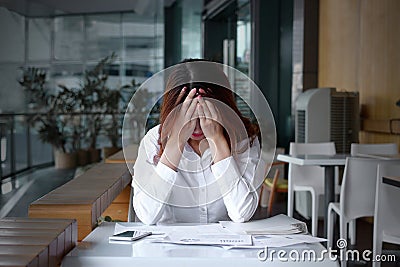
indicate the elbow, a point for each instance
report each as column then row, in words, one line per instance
column 245, row 211
column 145, row 218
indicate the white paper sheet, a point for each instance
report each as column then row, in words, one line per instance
column 214, row 228
column 277, row 241
column 275, row 225
column 207, row 239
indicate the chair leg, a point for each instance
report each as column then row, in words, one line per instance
column 377, row 242
column 290, row 201
column 264, row 197
column 343, row 235
column 314, row 213
column 352, row 231
column 331, row 213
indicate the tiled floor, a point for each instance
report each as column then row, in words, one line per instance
column 18, row 193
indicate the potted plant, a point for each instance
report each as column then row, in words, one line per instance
column 117, row 100
column 47, row 109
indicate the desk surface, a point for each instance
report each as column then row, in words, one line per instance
column 95, row 250
column 321, row 160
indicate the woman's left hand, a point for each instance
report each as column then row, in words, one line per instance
column 210, row 120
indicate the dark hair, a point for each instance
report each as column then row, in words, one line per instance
column 187, row 75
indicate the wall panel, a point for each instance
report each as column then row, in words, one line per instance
column 359, row 51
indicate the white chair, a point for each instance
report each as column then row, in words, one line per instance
column 356, row 149
column 387, row 210
column 357, row 196
column 308, row 178
column 387, row 148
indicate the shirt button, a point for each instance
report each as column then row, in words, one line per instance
column 203, row 209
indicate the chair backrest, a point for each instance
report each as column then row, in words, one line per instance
column 312, row 175
column 386, row 148
column 387, row 208
column 357, row 196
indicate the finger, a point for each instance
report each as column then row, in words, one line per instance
column 180, row 96
column 204, row 107
column 200, row 111
column 188, row 99
column 213, row 109
column 192, row 108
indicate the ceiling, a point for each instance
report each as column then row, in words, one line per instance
column 49, row 8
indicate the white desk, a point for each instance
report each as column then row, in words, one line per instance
column 329, row 162
column 95, row 250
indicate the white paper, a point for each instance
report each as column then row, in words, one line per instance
column 280, row 224
column 167, row 229
column 207, row 239
column 277, row 241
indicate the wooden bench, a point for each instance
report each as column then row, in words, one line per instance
column 85, row 197
column 119, row 157
column 120, row 206
column 36, row 242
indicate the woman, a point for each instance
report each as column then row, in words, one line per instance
column 199, row 163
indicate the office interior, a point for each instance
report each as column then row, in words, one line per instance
column 287, row 47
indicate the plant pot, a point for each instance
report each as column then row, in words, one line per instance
column 83, row 157
column 108, row 151
column 94, row 155
column 65, row 160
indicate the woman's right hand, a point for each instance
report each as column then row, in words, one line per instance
column 184, row 117
column 182, row 122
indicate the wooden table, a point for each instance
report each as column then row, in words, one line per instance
column 85, row 197
column 36, row 242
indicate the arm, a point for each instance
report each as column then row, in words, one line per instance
column 151, row 181
column 153, row 184
column 235, row 177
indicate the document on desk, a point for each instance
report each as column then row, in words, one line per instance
column 213, row 228
column 277, row 241
column 207, row 239
column 277, row 225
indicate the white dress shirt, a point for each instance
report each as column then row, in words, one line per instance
column 199, row 191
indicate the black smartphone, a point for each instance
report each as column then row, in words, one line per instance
column 129, row 236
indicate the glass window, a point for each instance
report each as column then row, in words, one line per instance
column 69, row 75
column 39, row 40
column 12, row 96
column 104, row 36
column 191, row 28
column 68, row 38
column 12, row 44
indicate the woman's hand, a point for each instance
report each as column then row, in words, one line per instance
column 181, row 123
column 184, row 117
column 210, row 119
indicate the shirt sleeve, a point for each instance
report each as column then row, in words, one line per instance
column 152, row 183
column 236, row 177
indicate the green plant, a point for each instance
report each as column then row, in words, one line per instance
column 118, row 100
column 44, row 107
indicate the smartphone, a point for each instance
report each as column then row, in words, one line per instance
column 129, row 236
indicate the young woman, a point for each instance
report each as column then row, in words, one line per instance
column 199, row 163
